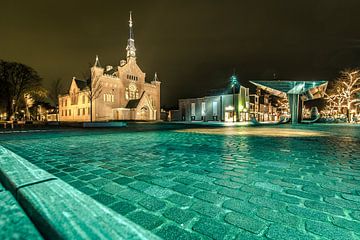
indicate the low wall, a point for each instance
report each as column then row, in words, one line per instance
column 58, row 210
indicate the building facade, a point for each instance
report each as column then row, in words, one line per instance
column 226, row 107
column 113, row 93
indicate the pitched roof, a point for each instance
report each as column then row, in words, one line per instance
column 134, row 102
column 82, row 84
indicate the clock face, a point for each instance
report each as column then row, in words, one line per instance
column 132, row 87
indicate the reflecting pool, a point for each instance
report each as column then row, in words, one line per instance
column 277, row 182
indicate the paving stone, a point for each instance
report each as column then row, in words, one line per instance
column 228, row 184
column 145, row 178
column 205, row 186
column 308, row 213
column 245, row 222
column 277, row 231
column 178, row 215
column 351, row 197
column 186, row 181
column 184, row 189
column 233, row 193
column 139, row 185
column 113, row 188
column 318, row 191
column 132, row 195
column 268, row 186
column 171, row 232
column 163, row 183
column 213, row 229
column 239, row 206
column 343, row 203
column 267, row 202
column 245, row 235
column 324, row 207
column 206, row 209
column 303, row 194
column 146, row 220
column 355, row 215
column 254, row 190
column 347, row 224
column 158, row 192
column 152, row 204
column 123, row 207
column 104, row 199
column 88, row 177
column 180, row 200
column 285, row 198
column 99, row 182
column 209, row 197
column 123, row 180
column 328, row 230
column 279, row 217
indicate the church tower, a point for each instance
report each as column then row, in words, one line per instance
column 130, row 48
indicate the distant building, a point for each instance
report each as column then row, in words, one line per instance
column 117, row 93
column 225, row 107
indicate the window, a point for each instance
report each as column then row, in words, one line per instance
column 192, row 109
column 65, row 102
column 62, row 112
column 88, row 111
column 69, row 112
column 65, row 112
column 83, row 99
column 104, row 97
column 112, row 98
column 78, row 111
column 131, row 92
column 215, row 109
column 203, row 109
column 83, row 111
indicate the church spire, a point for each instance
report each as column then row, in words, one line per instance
column 130, row 48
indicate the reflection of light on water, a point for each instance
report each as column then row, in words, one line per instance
column 266, row 132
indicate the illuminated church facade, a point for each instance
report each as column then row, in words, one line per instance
column 113, row 93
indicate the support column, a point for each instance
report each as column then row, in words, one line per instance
column 295, row 108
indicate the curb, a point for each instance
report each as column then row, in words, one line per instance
column 58, row 210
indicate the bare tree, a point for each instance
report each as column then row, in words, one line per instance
column 17, row 80
column 55, row 90
column 95, row 89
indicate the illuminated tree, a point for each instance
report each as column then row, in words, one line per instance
column 345, row 91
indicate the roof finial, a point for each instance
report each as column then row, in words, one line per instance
column 130, row 20
column 155, row 77
column 97, row 62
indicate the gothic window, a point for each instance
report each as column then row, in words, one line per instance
column 132, row 92
column 83, row 99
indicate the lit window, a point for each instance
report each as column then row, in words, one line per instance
column 215, row 109
column 203, row 109
column 192, row 109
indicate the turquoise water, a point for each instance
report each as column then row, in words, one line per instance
column 278, row 182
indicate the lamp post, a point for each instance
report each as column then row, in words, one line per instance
column 234, row 82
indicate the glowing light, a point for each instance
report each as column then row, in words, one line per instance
column 229, row 108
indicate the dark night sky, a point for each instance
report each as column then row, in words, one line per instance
column 193, row 45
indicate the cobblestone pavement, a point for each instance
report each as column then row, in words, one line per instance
column 189, row 185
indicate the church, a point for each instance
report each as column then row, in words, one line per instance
column 113, row 93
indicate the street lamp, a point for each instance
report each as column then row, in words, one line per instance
column 234, row 82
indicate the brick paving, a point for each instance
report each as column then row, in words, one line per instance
column 187, row 185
